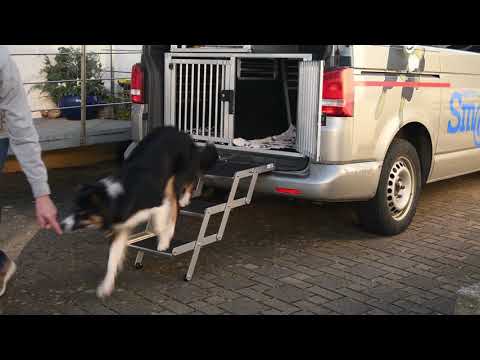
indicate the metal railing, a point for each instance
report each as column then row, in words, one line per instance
column 83, row 83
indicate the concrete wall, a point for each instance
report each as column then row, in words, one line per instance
column 29, row 66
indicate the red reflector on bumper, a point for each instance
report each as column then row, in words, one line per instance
column 288, row 191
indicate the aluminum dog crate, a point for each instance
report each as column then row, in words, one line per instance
column 199, row 100
column 200, row 95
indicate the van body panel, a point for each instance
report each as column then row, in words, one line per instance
column 336, row 139
column 391, row 58
column 456, row 164
column 386, row 101
column 458, row 148
column 395, row 87
column 459, row 62
column 331, row 183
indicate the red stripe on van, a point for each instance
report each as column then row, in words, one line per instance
column 402, row 84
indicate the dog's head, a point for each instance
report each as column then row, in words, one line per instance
column 93, row 206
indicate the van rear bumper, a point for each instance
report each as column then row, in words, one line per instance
column 321, row 182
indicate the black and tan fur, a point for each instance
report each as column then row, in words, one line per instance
column 155, row 181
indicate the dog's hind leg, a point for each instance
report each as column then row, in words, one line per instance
column 115, row 262
column 165, row 218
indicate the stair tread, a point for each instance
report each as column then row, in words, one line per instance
column 152, row 243
column 198, row 207
column 228, row 169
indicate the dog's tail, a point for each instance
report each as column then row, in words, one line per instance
column 208, row 157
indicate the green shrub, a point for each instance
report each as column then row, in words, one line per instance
column 67, row 66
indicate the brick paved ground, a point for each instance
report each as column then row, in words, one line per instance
column 278, row 257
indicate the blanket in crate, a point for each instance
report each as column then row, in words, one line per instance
column 286, row 140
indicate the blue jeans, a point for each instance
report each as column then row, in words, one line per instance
column 3, row 152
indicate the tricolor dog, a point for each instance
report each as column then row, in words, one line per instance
column 157, row 178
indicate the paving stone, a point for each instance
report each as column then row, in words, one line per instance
column 243, row 306
column 385, row 306
column 303, row 312
column 316, row 299
column 330, row 295
column 287, row 293
column 295, row 282
column 377, row 312
column 445, row 306
column 274, row 272
column 387, row 294
column 284, row 307
column 254, row 295
column 272, row 312
column 233, row 282
column 177, row 307
column 348, row 306
column 314, row 308
column 412, row 307
column 366, row 271
column 329, row 282
column 420, row 282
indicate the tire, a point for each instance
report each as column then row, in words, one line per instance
column 393, row 208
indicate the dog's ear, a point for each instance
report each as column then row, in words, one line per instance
column 102, row 206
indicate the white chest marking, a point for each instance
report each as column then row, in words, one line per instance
column 69, row 222
column 114, row 188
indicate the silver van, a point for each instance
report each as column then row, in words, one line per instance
column 343, row 123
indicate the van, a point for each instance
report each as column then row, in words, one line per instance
column 367, row 124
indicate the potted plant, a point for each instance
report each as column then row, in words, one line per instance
column 65, row 90
column 119, row 111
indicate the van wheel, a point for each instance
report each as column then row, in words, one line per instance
column 392, row 209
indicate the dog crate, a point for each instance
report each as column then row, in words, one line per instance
column 200, row 97
column 219, row 96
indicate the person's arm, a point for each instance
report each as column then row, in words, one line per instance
column 24, row 139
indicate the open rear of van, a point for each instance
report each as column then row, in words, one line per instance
column 257, row 103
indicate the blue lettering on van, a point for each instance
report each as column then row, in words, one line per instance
column 466, row 116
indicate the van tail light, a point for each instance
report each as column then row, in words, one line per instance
column 338, row 93
column 287, row 191
column 137, row 88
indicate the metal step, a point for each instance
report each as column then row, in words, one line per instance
column 148, row 242
column 197, row 208
column 150, row 245
column 227, row 169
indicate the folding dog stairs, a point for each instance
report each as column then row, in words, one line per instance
column 146, row 242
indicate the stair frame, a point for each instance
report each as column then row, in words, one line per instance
column 202, row 240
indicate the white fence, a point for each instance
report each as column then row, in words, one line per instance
column 121, row 59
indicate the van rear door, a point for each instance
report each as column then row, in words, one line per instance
column 309, row 109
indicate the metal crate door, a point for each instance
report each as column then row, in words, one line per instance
column 310, row 88
column 199, row 97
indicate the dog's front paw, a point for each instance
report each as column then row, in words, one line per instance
column 184, row 202
column 185, row 199
column 104, row 290
column 162, row 246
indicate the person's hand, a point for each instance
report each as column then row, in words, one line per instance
column 47, row 214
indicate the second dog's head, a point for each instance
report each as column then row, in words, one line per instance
column 92, row 207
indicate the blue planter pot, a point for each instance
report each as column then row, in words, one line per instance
column 76, row 114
